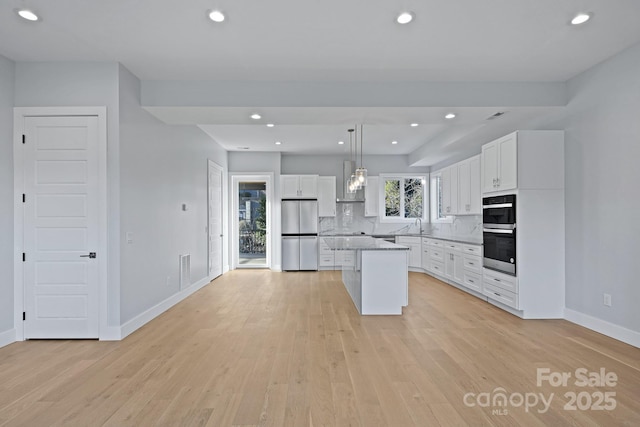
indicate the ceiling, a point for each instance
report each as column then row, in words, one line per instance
column 330, row 41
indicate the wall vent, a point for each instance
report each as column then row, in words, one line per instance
column 185, row 271
column 496, row 115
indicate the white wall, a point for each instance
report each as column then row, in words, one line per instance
column 7, row 69
column 162, row 167
column 83, row 84
column 602, row 198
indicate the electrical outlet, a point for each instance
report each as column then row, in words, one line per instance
column 607, row 300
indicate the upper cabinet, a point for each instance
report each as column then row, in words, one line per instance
column 371, row 196
column 469, row 197
column 524, row 160
column 500, row 164
column 461, row 188
column 299, row 186
column 327, row 196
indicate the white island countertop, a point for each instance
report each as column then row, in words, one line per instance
column 363, row 243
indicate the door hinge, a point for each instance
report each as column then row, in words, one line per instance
column 24, row 139
column 24, row 198
column 24, row 257
column 24, row 316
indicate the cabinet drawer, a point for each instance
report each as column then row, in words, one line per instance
column 473, row 264
column 500, row 295
column 453, row 246
column 327, row 261
column 325, row 250
column 437, row 267
column 437, row 254
column 473, row 281
column 426, row 241
column 501, row 281
column 472, row 249
column 437, row 243
column 408, row 240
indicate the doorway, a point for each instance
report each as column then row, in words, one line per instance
column 215, row 219
column 251, row 213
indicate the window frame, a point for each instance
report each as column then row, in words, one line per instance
column 402, row 176
column 434, row 178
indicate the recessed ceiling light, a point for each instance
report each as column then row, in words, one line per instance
column 340, row 142
column 28, row 15
column 216, row 16
column 270, row 125
column 278, row 143
column 413, row 125
column 244, row 148
column 394, row 142
column 450, row 116
column 256, row 116
column 580, row 18
column 404, row 18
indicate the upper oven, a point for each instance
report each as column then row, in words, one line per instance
column 499, row 233
column 499, row 211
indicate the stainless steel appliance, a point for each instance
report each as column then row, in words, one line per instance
column 299, row 235
column 499, row 233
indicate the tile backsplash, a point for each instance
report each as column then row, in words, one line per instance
column 350, row 219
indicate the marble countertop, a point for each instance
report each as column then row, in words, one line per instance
column 365, row 243
column 458, row 239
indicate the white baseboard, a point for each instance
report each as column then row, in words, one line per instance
column 147, row 316
column 602, row 326
column 276, row 268
column 225, row 269
column 7, row 337
column 111, row 333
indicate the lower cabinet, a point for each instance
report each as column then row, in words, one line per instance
column 327, row 259
column 500, row 287
column 415, row 249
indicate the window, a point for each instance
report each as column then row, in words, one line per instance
column 403, row 198
column 437, row 212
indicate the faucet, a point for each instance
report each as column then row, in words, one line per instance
column 419, row 221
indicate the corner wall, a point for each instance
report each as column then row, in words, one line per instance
column 7, row 73
column 162, row 167
column 602, row 148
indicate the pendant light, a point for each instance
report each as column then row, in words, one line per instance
column 355, row 182
column 350, row 187
column 361, row 172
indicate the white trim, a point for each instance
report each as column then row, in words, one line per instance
column 7, row 337
column 213, row 165
column 145, row 317
column 268, row 178
column 19, row 113
column 609, row 329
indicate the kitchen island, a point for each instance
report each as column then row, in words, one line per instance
column 377, row 279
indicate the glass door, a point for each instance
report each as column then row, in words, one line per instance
column 252, row 224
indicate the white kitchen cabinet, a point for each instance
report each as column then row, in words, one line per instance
column 426, row 254
column 500, row 164
column 449, row 179
column 454, row 263
column 327, row 196
column 469, row 192
column 371, row 196
column 299, row 186
column 326, row 255
column 415, row 249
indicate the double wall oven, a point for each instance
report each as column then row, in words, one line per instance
column 499, row 233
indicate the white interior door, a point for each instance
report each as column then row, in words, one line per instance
column 215, row 220
column 61, row 227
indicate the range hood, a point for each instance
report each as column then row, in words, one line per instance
column 358, row 197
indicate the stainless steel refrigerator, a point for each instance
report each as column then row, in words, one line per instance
column 299, row 235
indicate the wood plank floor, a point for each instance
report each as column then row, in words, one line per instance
column 289, row 349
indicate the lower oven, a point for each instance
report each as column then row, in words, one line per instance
column 500, row 249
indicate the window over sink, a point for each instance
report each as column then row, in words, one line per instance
column 403, row 198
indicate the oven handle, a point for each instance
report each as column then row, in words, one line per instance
column 497, row 231
column 499, row 205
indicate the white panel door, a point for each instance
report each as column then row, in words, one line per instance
column 61, row 227
column 215, row 220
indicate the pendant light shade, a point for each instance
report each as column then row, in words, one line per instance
column 361, row 172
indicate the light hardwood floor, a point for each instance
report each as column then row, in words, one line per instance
column 289, row 349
